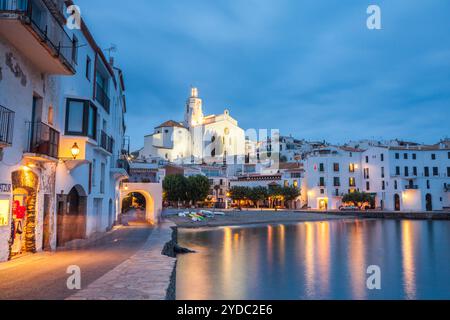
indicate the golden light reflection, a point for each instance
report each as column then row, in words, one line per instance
column 270, row 245
column 323, row 255
column 357, row 261
column 409, row 272
column 309, row 259
column 282, row 243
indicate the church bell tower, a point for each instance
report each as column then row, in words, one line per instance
column 194, row 113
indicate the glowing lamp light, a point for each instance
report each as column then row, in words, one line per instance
column 75, row 151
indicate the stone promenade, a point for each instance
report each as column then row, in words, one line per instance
column 145, row 276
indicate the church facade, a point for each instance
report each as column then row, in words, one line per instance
column 198, row 139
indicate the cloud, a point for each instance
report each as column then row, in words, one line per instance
column 309, row 68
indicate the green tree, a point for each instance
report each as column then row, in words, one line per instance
column 358, row 198
column 197, row 188
column 258, row 194
column 239, row 193
column 175, row 188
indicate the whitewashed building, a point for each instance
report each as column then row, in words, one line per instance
column 330, row 173
column 61, row 130
column 199, row 138
column 400, row 177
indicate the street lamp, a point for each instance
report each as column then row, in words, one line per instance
column 75, row 151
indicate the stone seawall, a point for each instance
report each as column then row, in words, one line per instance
column 147, row 275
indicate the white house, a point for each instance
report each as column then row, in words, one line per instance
column 61, row 130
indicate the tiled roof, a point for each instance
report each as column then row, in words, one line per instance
column 170, row 123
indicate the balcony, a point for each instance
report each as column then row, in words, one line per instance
column 102, row 97
column 106, row 142
column 6, row 127
column 43, row 142
column 411, row 187
column 35, row 28
column 120, row 169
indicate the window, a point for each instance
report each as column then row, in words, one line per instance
column 414, row 171
column 336, row 167
column 414, row 156
column 94, row 170
column 397, row 171
column 428, row 184
column 433, row 156
column 405, row 156
column 448, row 171
column 435, row 171
column 406, row 171
column 397, row 156
column 75, row 49
column 102, row 178
column 351, row 168
column 351, row 182
column 426, row 172
column 382, row 172
column 322, row 182
column 81, row 118
column 367, row 159
column 88, row 68
column 448, row 155
column 295, row 183
column 382, row 157
column 368, row 186
column 321, row 167
column 395, row 184
column 383, row 185
column 336, row 182
column 322, row 191
column 366, row 173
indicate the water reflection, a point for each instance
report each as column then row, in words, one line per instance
column 316, row 260
column 409, row 264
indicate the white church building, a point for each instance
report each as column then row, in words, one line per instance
column 198, row 139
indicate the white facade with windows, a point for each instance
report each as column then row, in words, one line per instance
column 61, row 130
column 400, row 178
column 212, row 139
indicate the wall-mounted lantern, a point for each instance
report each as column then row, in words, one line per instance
column 75, row 151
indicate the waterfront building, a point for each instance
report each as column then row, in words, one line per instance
column 331, row 172
column 199, row 138
column 61, row 130
column 399, row 176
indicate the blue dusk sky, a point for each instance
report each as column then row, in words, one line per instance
column 309, row 68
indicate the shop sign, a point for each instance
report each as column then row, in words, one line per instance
column 5, row 188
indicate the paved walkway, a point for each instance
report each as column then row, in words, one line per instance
column 43, row 276
column 145, row 276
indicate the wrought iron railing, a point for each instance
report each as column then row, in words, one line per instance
column 102, row 97
column 47, row 26
column 43, row 139
column 106, row 142
column 6, row 125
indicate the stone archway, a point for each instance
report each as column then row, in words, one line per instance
column 25, row 181
column 152, row 193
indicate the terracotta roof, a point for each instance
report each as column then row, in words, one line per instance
column 170, row 123
column 290, row 166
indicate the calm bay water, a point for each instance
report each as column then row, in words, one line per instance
column 316, row 260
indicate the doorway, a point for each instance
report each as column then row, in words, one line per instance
column 397, row 205
column 46, row 246
column 429, row 202
column 98, row 214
